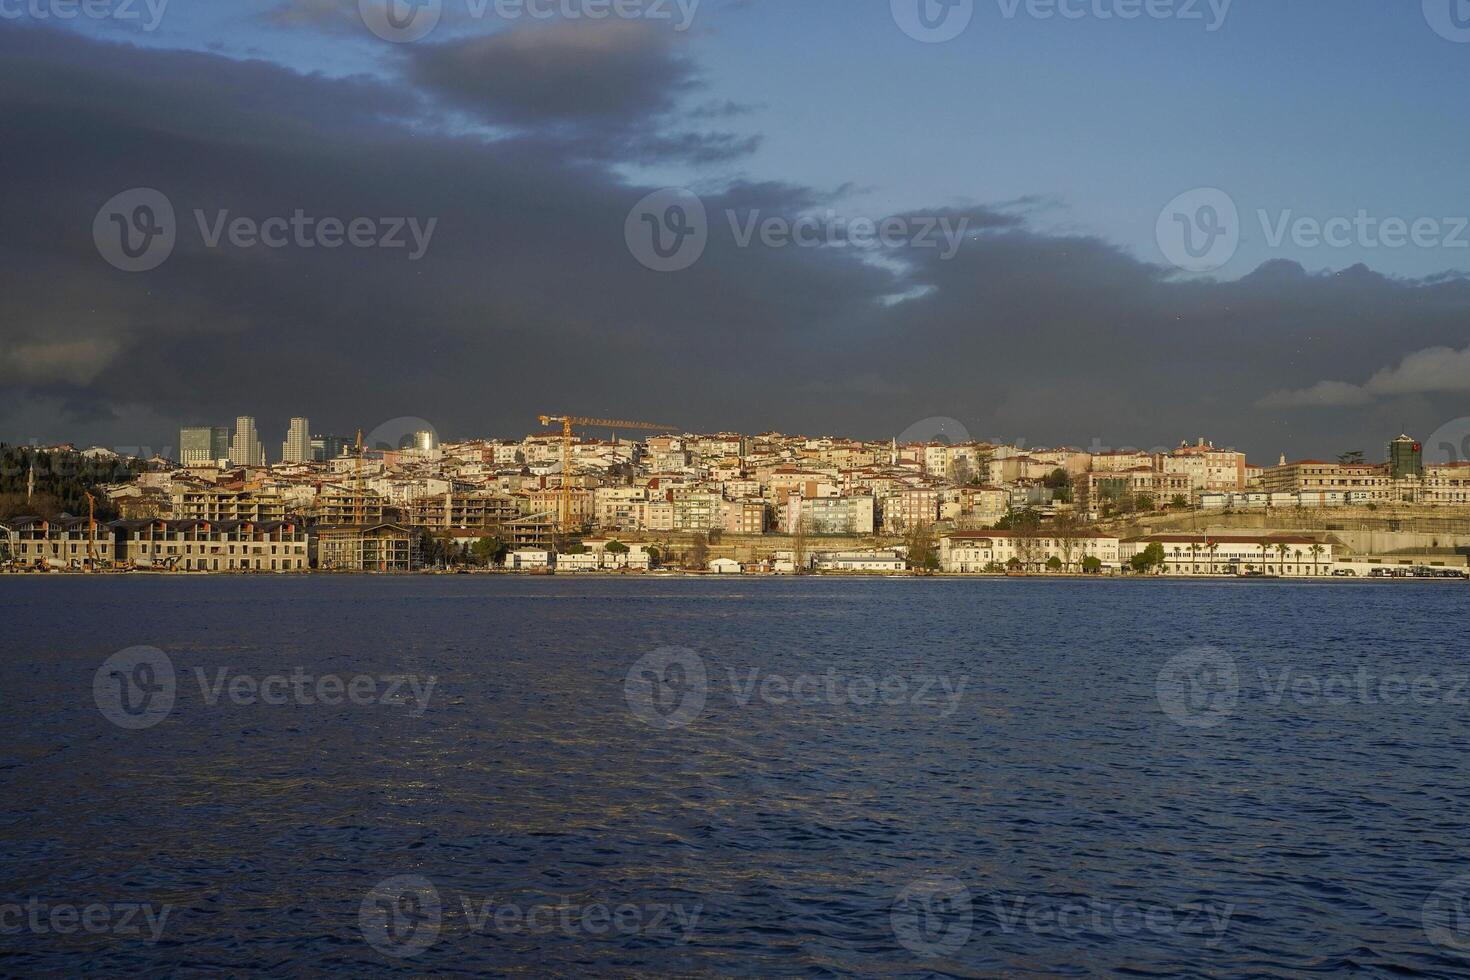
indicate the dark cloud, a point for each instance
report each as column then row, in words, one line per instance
column 529, row 301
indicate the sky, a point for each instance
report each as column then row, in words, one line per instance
column 1104, row 223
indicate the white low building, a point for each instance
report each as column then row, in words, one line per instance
column 587, row 561
column 1237, row 554
column 528, row 559
column 725, row 566
column 985, row 551
column 860, row 561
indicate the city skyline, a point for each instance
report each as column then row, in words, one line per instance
column 486, row 208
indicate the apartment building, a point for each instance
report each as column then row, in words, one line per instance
column 1208, row 468
column 215, row 546
column 380, row 547
column 911, row 507
column 225, row 503
column 1092, row 491
column 744, row 516
column 854, row 514
column 67, row 542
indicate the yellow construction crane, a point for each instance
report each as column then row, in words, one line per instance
column 91, row 531
column 357, row 514
column 564, row 522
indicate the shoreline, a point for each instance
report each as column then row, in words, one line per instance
column 742, row 577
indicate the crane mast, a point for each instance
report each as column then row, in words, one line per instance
column 564, row 515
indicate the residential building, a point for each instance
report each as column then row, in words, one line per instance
column 245, row 448
column 380, row 547
column 215, row 546
column 297, row 447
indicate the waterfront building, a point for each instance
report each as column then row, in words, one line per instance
column 378, row 547
column 214, row 546
column 1235, row 554
column 66, row 542
column 985, row 551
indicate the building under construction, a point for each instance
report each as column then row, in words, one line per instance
column 383, row 547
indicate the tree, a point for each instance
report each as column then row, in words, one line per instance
column 1317, row 551
column 699, row 552
column 1353, row 457
column 1068, row 528
column 489, row 550
column 1144, row 501
column 1281, row 550
column 1180, row 502
column 1092, row 564
column 616, row 548
column 1054, row 564
column 920, row 543
column 1148, row 559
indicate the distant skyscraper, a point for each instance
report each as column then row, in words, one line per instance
column 201, row 445
column 297, row 447
column 325, row 448
column 246, row 449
